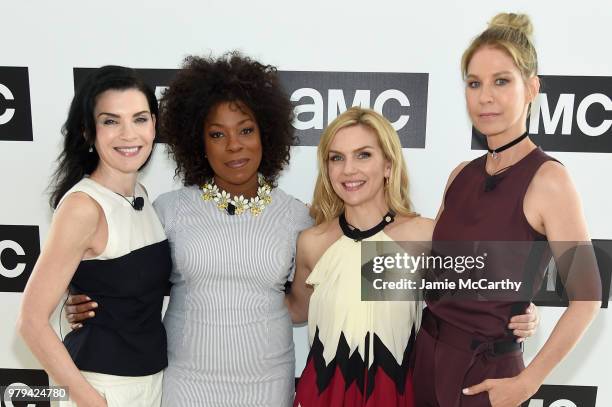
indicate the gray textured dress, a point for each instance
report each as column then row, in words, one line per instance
column 230, row 338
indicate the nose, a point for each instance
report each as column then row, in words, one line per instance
column 349, row 166
column 128, row 131
column 233, row 143
column 486, row 94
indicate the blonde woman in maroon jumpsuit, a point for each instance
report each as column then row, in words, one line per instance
column 516, row 192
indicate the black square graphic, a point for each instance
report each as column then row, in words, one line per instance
column 15, row 109
column 563, row 396
column 19, row 250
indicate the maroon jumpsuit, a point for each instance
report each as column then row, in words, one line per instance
column 462, row 343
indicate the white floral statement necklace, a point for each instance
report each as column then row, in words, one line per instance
column 239, row 204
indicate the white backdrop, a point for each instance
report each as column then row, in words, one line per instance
column 50, row 38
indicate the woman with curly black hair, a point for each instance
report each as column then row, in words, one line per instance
column 232, row 234
column 227, row 123
column 200, row 88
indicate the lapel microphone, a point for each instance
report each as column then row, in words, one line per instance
column 491, row 182
column 137, row 203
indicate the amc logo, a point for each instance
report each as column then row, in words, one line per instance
column 552, row 293
column 572, row 113
column 19, row 250
column 15, row 111
column 319, row 97
column 21, row 377
column 563, row 396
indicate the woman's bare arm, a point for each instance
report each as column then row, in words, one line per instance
column 74, row 228
column 298, row 298
column 558, row 206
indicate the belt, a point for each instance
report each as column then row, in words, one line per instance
column 458, row 338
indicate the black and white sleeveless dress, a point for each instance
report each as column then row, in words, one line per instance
column 122, row 350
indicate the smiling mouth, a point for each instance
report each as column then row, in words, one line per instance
column 237, row 163
column 352, row 186
column 488, row 115
column 128, row 151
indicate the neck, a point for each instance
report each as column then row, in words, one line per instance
column 247, row 189
column 366, row 216
column 497, row 140
column 116, row 181
column 510, row 156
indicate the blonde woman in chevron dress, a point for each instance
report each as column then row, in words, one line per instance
column 360, row 350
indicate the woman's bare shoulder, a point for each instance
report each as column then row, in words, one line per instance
column 78, row 208
column 322, row 233
column 411, row 228
column 314, row 241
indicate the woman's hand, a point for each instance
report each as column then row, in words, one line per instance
column 513, row 391
column 510, row 392
column 78, row 309
column 525, row 325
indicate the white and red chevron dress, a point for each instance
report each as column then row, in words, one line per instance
column 359, row 350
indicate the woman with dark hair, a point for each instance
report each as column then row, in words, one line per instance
column 106, row 242
column 232, row 234
column 78, row 158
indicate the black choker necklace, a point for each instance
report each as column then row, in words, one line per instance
column 517, row 140
column 358, row 235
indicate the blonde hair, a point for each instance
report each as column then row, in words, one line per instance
column 326, row 205
column 511, row 33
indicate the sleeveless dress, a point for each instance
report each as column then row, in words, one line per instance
column 122, row 351
column 230, row 336
column 472, row 335
column 360, row 350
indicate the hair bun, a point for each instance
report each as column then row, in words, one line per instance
column 519, row 22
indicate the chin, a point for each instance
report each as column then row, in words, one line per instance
column 352, row 199
column 490, row 130
column 130, row 170
column 238, row 178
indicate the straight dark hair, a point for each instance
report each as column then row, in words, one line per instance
column 75, row 161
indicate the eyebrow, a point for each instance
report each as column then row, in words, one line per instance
column 237, row 124
column 471, row 75
column 354, row 151
column 116, row 115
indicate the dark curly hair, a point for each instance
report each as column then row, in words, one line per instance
column 75, row 161
column 202, row 83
